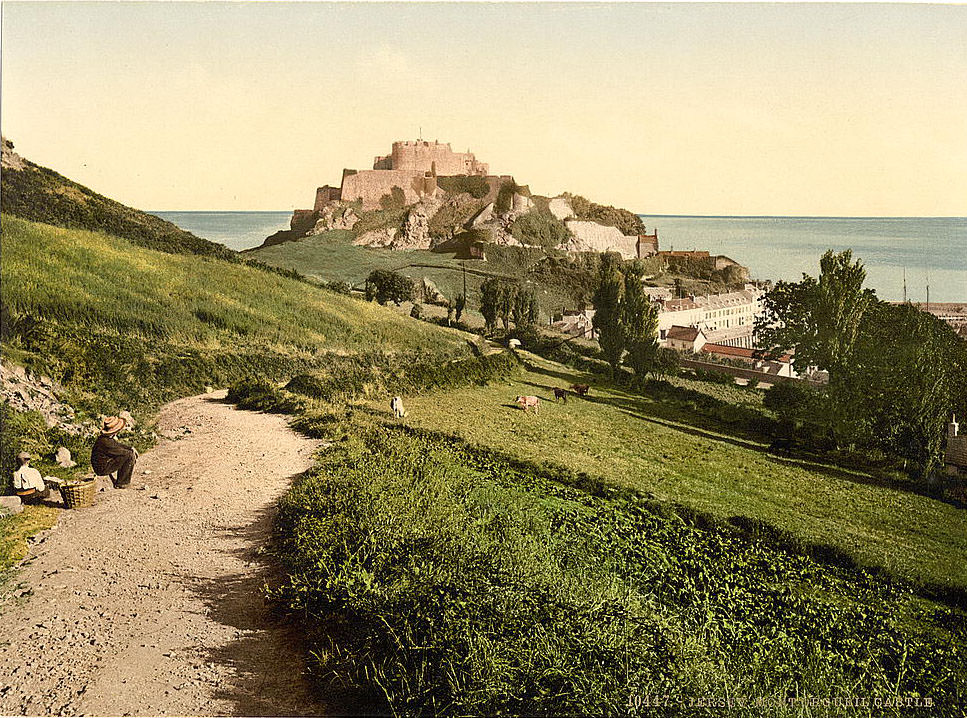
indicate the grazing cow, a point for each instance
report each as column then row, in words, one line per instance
column 580, row 389
column 397, row 406
column 529, row 401
column 560, row 394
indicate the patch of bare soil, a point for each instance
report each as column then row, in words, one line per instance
column 151, row 602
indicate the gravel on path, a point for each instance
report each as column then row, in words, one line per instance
column 151, row 601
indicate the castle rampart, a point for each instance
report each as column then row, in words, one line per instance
column 425, row 156
column 370, row 186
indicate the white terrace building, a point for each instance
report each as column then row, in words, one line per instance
column 727, row 319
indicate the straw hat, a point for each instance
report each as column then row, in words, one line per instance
column 112, row 425
column 23, row 456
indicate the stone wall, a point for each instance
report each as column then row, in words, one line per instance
column 325, row 195
column 423, row 156
column 371, row 186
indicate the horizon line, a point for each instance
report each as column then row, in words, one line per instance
column 649, row 214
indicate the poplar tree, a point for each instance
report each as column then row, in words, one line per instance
column 607, row 310
column 639, row 321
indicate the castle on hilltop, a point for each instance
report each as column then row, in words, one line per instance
column 404, row 176
column 423, row 156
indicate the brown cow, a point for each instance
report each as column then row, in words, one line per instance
column 529, row 401
column 580, row 389
column 560, row 394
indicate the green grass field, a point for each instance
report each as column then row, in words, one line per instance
column 475, row 560
column 332, row 257
column 663, row 452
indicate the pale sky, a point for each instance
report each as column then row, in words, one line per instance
column 840, row 110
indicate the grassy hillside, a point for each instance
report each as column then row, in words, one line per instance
column 606, row 554
column 122, row 327
column 70, row 294
column 643, row 444
column 40, row 194
column 332, row 257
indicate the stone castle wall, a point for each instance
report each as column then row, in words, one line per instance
column 423, row 156
column 325, row 195
column 370, row 186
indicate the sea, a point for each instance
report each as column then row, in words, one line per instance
column 925, row 251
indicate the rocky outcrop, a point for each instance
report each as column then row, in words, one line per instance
column 10, row 160
column 560, row 208
column 432, row 293
column 416, row 229
column 27, row 392
column 594, row 237
column 334, row 217
column 381, row 238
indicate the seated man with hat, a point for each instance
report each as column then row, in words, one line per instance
column 110, row 456
column 27, row 481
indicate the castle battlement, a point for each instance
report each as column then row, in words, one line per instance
column 426, row 156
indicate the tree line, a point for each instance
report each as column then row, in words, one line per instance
column 896, row 373
column 626, row 321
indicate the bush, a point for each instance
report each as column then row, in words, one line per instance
column 539, row 229
column 475, row 185
column 384, row 286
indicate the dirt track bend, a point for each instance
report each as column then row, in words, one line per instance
column 150, row 603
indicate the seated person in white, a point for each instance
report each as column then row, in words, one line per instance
column 28, row 479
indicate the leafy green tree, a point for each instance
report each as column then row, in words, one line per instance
column 910, row 375
column 490, row 292
column 639, row 321
column 526, row 307
column 607, row 310
column 384, row 286
column 506, row 293
column 819, row 319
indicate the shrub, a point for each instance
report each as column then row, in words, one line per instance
column 475, row 185
column 540, row 229
column 384, row 286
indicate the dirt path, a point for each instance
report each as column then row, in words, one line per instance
column 150, row 602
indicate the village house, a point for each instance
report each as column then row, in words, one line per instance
column 726, row 319
column 685, row 339
column 776, row 366
column 695, row 340
column 574, row 322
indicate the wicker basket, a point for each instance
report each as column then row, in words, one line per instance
column 79, row 495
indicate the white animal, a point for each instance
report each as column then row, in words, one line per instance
column 397, row 406
column 527, row 402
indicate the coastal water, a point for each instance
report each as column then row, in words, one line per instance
column 236, row 230
column 929, row 249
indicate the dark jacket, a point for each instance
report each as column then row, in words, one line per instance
column 106, row 453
